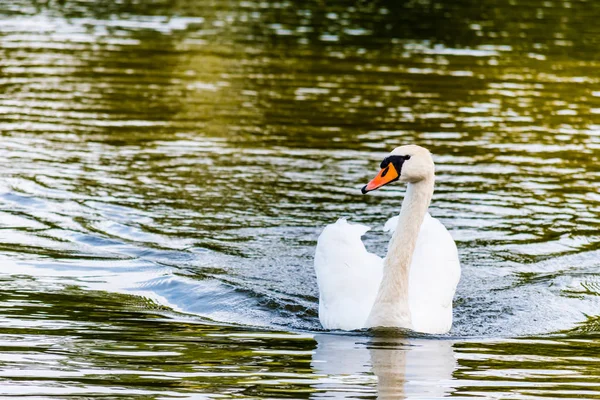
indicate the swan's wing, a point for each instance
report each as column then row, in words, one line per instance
column 347, row 274
column 391, row 224
column 434, row 275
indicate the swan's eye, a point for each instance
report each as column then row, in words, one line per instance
column 396, row 160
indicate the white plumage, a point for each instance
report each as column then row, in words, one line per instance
column 352, row 281
column 349, row 276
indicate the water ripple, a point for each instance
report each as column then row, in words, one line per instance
column 166, row 168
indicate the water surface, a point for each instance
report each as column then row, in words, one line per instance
column 166, row 168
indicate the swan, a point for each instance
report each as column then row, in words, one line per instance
column 414, row 285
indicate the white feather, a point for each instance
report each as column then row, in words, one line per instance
column 414, row 286
column 349, row 276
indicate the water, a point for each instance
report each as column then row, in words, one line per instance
column 166, row 167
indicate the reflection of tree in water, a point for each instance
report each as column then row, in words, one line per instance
column 126, row 65
column 526, row 366
column 318, row 70
column 124, row 342
column 263, row 67
column 326, row 69
column 302, row 72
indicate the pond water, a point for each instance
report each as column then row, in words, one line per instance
column 166, row 167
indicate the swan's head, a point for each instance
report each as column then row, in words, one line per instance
column 409, row 164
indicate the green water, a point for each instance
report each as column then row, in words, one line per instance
column 167, row 166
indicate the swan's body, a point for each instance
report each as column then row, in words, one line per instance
column 413, row 287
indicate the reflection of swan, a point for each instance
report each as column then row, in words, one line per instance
column 405, row 368
column 412, row 368
column 414, row 285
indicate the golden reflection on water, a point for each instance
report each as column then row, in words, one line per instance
column 189, row 153
column 66, row 341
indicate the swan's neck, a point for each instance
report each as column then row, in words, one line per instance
column 391, row 307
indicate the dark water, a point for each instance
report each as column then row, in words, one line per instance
column 166, row 167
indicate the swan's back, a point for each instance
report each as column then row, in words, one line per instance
column 347, row 274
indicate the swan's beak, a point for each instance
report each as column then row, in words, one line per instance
column 385, row 176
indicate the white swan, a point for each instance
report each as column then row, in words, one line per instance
column 414, row 285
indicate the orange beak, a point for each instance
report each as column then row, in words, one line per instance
column 385, row 176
